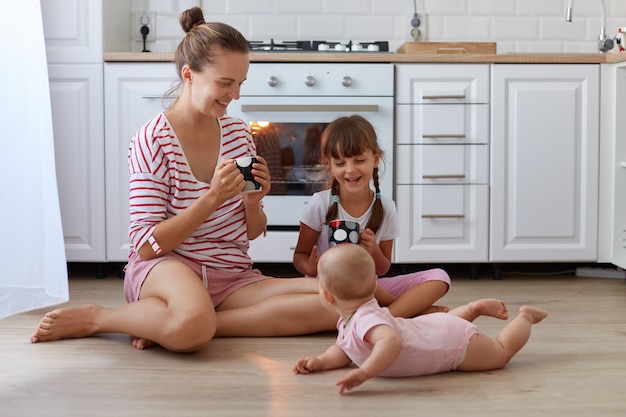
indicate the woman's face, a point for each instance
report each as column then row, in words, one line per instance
column 213, row 88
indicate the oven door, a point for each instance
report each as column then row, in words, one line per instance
column 287, row 133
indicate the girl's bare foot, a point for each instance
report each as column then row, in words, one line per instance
column 535, row 315
column 67, row 323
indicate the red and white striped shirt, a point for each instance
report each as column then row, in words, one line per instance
column 162, row 186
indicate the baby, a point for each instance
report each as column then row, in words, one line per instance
column 383, row 345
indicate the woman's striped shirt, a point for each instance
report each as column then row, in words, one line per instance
column 162, row 186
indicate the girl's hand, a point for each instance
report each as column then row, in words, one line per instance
column 307, row 365
column 313, row 259
column 352, row 379
column 367, row 239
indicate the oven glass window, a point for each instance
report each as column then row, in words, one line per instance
column 292, row 151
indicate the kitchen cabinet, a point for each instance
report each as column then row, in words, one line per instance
column 134, row 94
column 73, row 36
column 442, row 162
column 612, row 216
column 544, row 162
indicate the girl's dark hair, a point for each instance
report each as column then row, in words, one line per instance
column 347, row 137
column 203, row 40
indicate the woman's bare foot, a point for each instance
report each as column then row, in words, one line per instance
column 490, row 307
column 535, row 315
column 67, row 323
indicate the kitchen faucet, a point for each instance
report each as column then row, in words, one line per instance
column 604, row 44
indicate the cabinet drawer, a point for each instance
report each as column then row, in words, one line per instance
column 442, row 223
column 446, row 123
column 442, row 164
column 275, row 247
column 447, row 83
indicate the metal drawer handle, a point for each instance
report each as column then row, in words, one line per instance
column 309, row 108
column 443, row 176
column 152, row 96
column 443, row 216
column 444, row 97
column 443, row 135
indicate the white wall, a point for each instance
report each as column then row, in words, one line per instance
column 516, row 25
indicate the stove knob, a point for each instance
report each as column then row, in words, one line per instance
column 341, row 47
column 346, row 81
column 309, row 80
column 356, row 47
column 372, row 47
column 323, row 47
column 272, row 81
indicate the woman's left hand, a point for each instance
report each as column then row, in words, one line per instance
column 261, row 175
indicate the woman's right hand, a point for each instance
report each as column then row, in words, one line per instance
column 227, row 180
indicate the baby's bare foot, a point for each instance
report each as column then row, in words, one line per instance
column 491, row 307
column 535, row 315
column 66, row 323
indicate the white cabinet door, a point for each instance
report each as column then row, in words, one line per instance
column 612, row 207
column 133, row 95
column 76, row 98
column 619, row 164
column 544, row 163
column 73, row 31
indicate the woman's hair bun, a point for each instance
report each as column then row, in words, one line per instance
column 191, row 18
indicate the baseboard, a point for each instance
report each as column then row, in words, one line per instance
column 601, row 272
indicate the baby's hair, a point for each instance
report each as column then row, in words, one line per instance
column 346, row 137
column 347, row 271
column 203, row 40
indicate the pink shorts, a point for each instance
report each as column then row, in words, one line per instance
column 400, row 283
column 220, row 284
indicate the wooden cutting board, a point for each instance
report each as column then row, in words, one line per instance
column 447, row 48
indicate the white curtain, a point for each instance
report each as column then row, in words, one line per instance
column 33, row 271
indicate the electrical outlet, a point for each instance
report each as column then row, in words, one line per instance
column 144, row 19
column 418, row 33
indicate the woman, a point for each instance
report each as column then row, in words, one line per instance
column 189, row 277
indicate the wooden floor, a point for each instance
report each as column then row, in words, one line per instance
column 574, row 365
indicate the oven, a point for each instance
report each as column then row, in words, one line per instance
column 287, row 106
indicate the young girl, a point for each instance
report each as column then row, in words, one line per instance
column 350, row 149
column 383, row 345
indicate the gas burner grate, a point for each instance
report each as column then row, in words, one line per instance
column 280, row 46
column 317, row 46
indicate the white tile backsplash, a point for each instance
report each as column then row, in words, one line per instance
column 516, row 25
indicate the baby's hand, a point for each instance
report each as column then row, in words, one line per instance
column 307, row 365
column 352, row 379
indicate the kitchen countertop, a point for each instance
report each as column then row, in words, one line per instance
column 507, row 58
